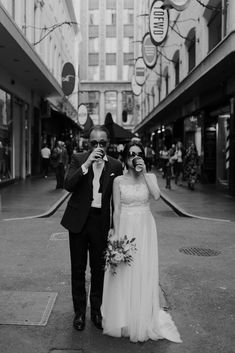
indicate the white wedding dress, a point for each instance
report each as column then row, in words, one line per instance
column 130, row 305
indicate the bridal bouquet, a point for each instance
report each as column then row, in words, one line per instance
column 119, row 251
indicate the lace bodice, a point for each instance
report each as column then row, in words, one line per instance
column 134, row 195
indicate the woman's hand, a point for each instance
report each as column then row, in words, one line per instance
column 141, row 164
column 112, row 235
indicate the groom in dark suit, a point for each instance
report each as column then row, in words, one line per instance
column 87, row 217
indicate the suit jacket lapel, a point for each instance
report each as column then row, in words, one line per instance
column 105, row 176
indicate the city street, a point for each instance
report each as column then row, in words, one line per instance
column 198, row 290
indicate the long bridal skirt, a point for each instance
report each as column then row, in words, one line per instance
column 130, row 305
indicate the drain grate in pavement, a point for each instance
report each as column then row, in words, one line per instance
column 59, row 236
column 26, row 308
column 199, row 251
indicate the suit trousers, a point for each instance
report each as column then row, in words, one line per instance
column 91, row 239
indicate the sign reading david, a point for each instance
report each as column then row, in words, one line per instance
column 158, row 22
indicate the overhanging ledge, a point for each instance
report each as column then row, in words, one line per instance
column 20, row 59
column 217, row 67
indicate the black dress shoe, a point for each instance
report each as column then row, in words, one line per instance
column 79, row 322
column 97, row 321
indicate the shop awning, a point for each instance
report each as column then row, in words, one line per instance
column 18, row 57
column 211, row 75
column 58, row 124
column 117, row 133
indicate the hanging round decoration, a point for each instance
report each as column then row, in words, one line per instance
column 149, row 51
column 68, row 78
column 158, row 22
column 82, row 114
column 140, row 71
column 136, row 89
column 178, row 5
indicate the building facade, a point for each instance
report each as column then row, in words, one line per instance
column 36, row 39
column 189, row 94
column 108, row 29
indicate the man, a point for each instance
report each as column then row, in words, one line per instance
column 45, row 154
column 149, row 153
column 59, row 161
column 87, row 217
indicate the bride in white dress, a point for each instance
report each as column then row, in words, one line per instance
column 130, row 305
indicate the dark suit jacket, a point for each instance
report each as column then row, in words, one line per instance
column 81, row 188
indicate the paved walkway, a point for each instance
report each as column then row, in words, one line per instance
column 36, row 197
column 31, row 197
column 204, row 202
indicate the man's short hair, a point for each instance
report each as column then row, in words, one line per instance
column 99, row 128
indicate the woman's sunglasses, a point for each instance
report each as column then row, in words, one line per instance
column 101, row 143
column 135, row 154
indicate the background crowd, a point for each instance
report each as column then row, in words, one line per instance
column 176, row 163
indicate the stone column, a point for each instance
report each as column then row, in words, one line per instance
column 102, row 108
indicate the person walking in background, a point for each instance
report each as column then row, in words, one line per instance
column 191, row 161
column 164, row 157
column 171, row 155
column 2, row 161
column 130, row 305
column 87, row 217
column 45, row 155
column 149, row 154
column 59, row 159
column 178, row 157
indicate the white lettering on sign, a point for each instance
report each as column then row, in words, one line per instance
column 158, row 22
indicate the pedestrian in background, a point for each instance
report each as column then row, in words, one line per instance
column 191, row 161
column 45, row 155
column 2, row 161
column 164, row 157
column 178, row 157
column 149, row 154
column 59, row 159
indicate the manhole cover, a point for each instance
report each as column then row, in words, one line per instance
column 199, row 251
column 26, row 308
column 59, row 236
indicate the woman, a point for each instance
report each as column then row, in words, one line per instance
column 130, row 305
column 191, row 166
column 178, row 157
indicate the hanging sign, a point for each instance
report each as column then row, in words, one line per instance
column 178, row 5
column 149, row 51
column 136, row 89
column 140, row 71
column 68, row 78
column 158, row 22
column 82, row 114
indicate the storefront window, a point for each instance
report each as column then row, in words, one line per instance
column 5, row 136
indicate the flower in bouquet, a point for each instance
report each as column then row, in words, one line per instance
column 119, row 251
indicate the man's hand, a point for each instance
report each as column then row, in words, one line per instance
column 96, row 154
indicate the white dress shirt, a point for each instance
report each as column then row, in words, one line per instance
column 97, row 170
